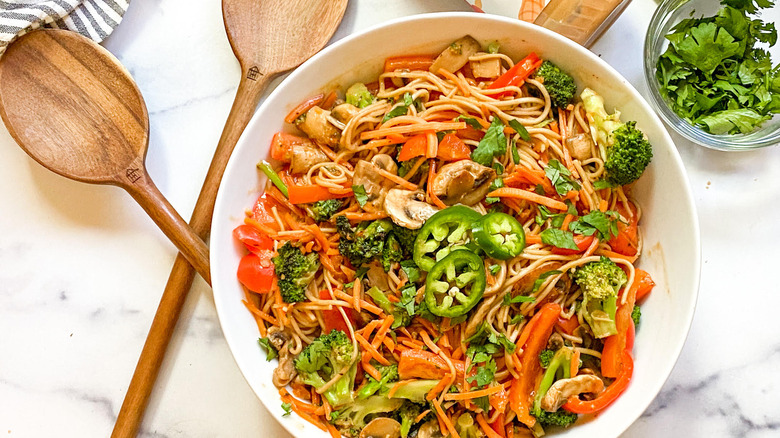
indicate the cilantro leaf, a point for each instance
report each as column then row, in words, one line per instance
column 492, row 144
column 474, row 123
column 509, row 300
column 400, row 110
column 603, row 223
column 559, row 238
column 269, row 348
column 360, row 194
column 560, row 177
column 287, row 407
column 540, row 280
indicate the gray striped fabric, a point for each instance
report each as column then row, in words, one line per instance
column 95, row 19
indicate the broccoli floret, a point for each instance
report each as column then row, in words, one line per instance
column 391, row 253
column 294, row 271
column 322, row 360
column 545, row 357
column 324, row 210
column 626, row 149
column 600, row 282
column 636, row 314
column 358, row 95
column 363, row 243
column 467, row 427
column 558, row 418
column 558, row 83
column 352, row 418
column 407, row 414
column 559, row 367
column 415, row 390
column 406, row 238
column 401, row 317
column 380, row 387
column 628, row 156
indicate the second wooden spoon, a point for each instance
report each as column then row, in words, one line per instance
column 73, row 107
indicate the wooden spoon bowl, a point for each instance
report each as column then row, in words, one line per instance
column 74, row 109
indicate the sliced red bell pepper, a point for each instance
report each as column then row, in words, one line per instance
column 252, row 239
column 516, row 75
column 568, row 325
column 332, row 317
column 521, row 392
column 452, row 148
column 414, row 147
column 419, row 364
column 578, row 406
column 308, row 193
column 645, row 282
column 627, row 240
column 262, row 210
column 583, row 242
column 614, row 345
column 256, row 272
column 470, row 133
column 411, row 62
column 498, row 425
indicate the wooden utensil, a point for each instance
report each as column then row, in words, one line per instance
column 268, row 37
column 73, row 108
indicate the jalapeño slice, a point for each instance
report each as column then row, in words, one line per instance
column 455, row 284
column 443, row 232
column 500, row 235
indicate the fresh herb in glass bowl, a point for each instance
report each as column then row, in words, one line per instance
column 716, row 73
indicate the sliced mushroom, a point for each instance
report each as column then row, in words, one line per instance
column 315, row 123
column 407, row 208
column 344, row 112
column 454, row 57
column 555, row 342
column 486, row 68
column 381, row 427
column 277, row 337
column 376, row 185
column 285, row 371
column 430, row 430
column 378, row 277
column 563, row 389
column 580, row 146
column 464, row 182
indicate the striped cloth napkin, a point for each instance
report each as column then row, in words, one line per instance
column 95, row 19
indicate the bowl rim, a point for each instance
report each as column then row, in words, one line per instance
column 668, row 12
column 676, row 161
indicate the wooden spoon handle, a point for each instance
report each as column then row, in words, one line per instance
column 180, row 280
column 140, row 186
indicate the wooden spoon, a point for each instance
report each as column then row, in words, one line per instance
column 268, row 37
column 73, row 108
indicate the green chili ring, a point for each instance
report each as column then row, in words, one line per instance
column 500, row 235
column 455, row 284
column 446, row 228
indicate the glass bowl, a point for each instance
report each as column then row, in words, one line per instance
column 668, row 14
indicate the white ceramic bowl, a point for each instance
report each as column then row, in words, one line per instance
column 669, row 226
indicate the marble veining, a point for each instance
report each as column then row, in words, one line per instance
column 82, row 268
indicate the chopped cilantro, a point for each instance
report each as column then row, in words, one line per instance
column 287, row 407
column 492, row 144
column 360, row 194
column 603, row 223
column 560, row 177
column 270, row 350
column 559, row 238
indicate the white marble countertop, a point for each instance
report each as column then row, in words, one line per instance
column 82, row 268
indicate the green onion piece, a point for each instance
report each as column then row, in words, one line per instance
column 269, row 172
column 520, row 129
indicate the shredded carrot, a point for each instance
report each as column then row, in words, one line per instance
column 319, row 236
column 591, row 248
column 327, row 263
column 382, row 331
column 378, row 143
column 603, row 205
column 304, row 106
column 428, row 342
column 370, row 369
column 473, row 394
column 616, row 255
column 463, row 88
column 445, row 419
column 363, row 303
column 307, row 417
column 431, row 176
column 369, row 328
column 489, row 432
column 396, row 179
column 262, row 315
column 422, row 415
column 356, row 295
column 332, row 430
column 389, row 344
column 398, row 385
column 360, row 217
column 532, row 239
column 574, row 365
column 411, row 343
column 439, row 387
column 260, row 227
column 371, row 350
column 414, row 168
column 417, row 127
column 566, row 221
column 510, row 192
